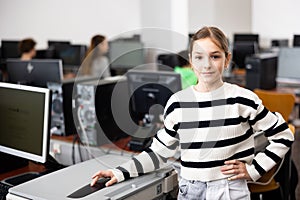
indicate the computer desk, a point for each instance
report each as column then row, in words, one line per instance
column 156, row 184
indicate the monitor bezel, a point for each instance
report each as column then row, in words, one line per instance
column 46, row 124
column 35, row 61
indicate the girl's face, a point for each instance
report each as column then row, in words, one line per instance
column 103, row 46
column 208, row 61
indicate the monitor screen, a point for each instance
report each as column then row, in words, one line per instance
column 296, row 41
column 280, row 43
column 25, row 115
column 240, row 51
column 57, row 42
column 149, row 91
column 246, row 37
column 289, row 65
column 125, row 54
column 34, row 72
column 45, row 54
column 71, row 55
column 9, row 49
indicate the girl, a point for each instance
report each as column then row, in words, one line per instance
column 96, row 63
column 214, row 124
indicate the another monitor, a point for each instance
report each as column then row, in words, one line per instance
column 35, row 72
column 240, row 51
column 10, row 49
column 167, row 62
column 125, row 54
column 296, row 41
column 150, row 90
column 45, row 54
column 58, row 42
column 25, row 116
column 246, row 37
column 280, row 43
column 289, row 66
column 71, row 55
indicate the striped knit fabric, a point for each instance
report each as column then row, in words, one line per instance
column 210, row 128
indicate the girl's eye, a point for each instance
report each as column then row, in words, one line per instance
column 215, row 57
column 198, row 57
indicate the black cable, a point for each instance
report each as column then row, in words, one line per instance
column 73, row 148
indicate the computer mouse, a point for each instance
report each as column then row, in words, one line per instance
column 88, row 189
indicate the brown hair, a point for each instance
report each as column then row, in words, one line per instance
column 26, row 45
column 95, row 41
column 215, row 34
column 92, row 53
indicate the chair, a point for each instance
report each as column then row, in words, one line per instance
column 284, row 104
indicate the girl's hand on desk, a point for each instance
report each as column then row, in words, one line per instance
column 104, row 174
column 236, row 168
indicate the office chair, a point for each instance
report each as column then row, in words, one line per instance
column 284, row 104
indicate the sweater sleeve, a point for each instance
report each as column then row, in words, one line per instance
column 164, row 145
column 279, row 136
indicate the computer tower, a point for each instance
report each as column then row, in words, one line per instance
column 261, row 71
column 62, row 121
column 100, row 108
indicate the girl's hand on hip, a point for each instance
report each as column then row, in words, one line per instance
column 236, row 168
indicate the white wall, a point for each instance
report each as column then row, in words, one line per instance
column 79, row 20
column 230, row 15
column 275, row 19
column 74, row 20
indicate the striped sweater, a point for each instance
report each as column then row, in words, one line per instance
column 210, row 128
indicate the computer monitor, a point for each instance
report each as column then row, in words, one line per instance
column 45, row 54
column 240, row 51
column 125, row 54
column 9, row 49
column 35, row 72
column 58, row 42
column 246, row 37
column 296, row 41
column 280, row 43
column 289, row 66
column 71, row 55
column 25, row 116
column 149, row 91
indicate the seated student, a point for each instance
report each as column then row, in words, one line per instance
column 96, row 63
column 188, row 76
column 27, row 49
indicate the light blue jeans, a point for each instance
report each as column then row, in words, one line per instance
column 214, row 190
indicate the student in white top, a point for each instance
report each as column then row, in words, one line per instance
column 214, row 123
column 96, row 63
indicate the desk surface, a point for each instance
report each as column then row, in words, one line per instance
column 31, row 167
column 36, row 167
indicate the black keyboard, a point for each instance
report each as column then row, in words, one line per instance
column 4, row 190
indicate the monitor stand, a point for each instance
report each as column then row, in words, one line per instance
column 10, row 162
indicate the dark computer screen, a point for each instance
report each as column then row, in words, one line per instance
column 25, row 115
column 58, row 42
column 149, row 91
column 71, row 55
column 45, row 54
column 9, row 49
column 246, row 37
column 240, row 51
column 280, row 43
column 289, row 65
column 125, row 54
column 296, row 41
column 36, row 72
